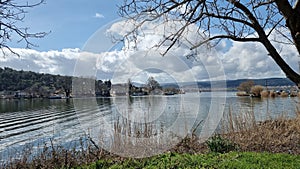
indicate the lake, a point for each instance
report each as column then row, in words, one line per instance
column 154, row 120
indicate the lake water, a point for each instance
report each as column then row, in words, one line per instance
column 36, row 121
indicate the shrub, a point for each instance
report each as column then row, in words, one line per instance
column 284, row 94
column 246, row 86
column 242, row 94
column 256, row 90
column 264, row 93
column 272, row 93
column 219, row 144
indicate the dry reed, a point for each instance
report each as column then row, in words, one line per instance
column 281, row 134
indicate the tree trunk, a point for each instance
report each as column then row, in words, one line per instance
column 289, row 72
column 292, row 17
column 293, row 23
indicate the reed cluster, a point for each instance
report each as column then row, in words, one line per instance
column 275, row 135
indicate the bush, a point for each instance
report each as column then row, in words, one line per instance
column 284, row 94
column 264, row 93
column 256, row 90
column 246, row 86
column 218, row 144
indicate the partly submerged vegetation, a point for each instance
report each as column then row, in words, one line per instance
column 248, row 88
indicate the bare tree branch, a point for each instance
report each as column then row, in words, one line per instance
column 12, row 13
column 226, row 37
column 260, row 4
column 243, row 21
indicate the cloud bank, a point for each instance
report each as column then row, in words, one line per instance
column 138, row 58
column 53, row 62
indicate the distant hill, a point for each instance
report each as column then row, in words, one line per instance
column 263, row 82
column 235, row 83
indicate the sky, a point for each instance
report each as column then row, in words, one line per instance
column 79, row 44
column 70, row 22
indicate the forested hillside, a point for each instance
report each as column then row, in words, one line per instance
column 43, row 85
column 26, row 80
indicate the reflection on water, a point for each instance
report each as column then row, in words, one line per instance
column 136, row 125
column 264, row 107
column 123, row 121
column 148, row 109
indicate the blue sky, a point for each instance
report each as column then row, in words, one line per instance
column 71, row 22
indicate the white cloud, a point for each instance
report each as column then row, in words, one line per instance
column 251, row 60
column 240, row 60
column 54, row 62
column 140, row 53
column 99, row 15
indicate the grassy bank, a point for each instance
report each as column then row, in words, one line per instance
column 211, row 160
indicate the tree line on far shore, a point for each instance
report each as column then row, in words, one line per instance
column 33, row 84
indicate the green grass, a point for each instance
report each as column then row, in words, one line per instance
column 242, row 160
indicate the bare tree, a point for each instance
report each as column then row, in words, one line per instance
column 152, row 84
column 12, row 13
column 246, row 86
column 243, row 21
